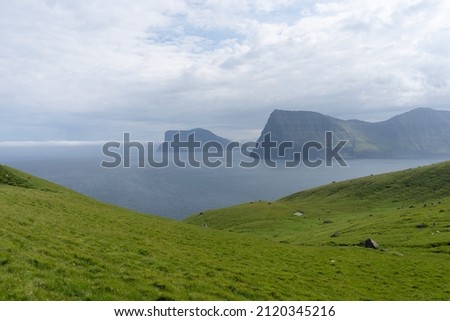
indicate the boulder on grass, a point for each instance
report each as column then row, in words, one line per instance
column 371, row 244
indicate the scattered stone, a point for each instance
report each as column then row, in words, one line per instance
column 422, row 225
column 298, row 214
column 370, row 244
column 335, row 234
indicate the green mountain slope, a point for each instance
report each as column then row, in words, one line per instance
column 410, row 208
column 406, row 212
column 56, row 244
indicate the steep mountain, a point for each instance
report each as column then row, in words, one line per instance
column 420, row 132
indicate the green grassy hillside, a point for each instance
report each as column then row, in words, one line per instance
column 410, row 208
column 56, row 244
column 406, row 212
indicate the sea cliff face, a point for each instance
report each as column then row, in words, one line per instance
column 200, row 135
column 417, row 133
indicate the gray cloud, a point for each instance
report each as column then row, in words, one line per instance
column 73, row 70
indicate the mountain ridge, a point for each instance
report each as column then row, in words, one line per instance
column 419, row 132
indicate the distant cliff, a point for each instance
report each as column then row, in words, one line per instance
column 201, row 135
column 417, row 133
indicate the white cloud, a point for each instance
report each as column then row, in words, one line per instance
column 91, row 70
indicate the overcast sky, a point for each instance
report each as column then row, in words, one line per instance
column 90, row 70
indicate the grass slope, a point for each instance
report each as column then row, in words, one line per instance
column 406, row 208
column 56, row 244
column 406, row 212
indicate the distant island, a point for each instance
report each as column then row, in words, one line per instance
column 200, row 134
